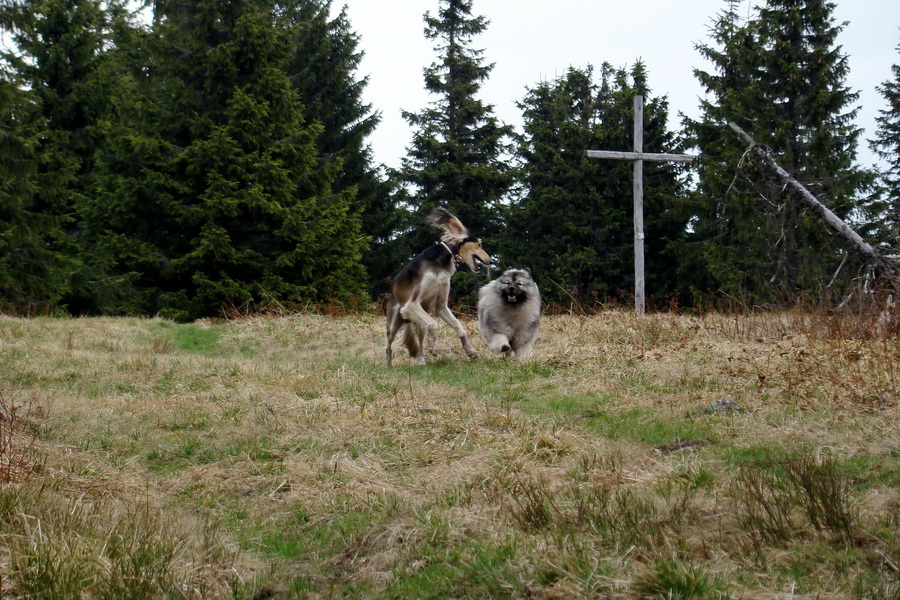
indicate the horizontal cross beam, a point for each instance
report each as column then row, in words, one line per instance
column 638, row 157
column 686, row 158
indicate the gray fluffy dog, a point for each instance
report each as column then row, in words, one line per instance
column 509, row 313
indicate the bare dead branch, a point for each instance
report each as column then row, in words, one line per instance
column 838, row 224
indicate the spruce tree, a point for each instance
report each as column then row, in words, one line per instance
column 456, row 160
column 34, row 270
column 572, row 221
column 780, row 76
column 239, row 207
column 56, row 98
column 123, row 225
column 887, row 146
column 323, row 69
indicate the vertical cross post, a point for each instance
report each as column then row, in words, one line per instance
column 640, row 301
column 639, row 156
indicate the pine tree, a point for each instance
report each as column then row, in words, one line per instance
column 781, row 78
column 456, row 157
column 572, row 222
column 887, row 146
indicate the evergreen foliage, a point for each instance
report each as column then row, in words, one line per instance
column 322, row 69
column 122, row 225
column 887, row 146
column 34, row 270
column 780, row 76
column 217, row 160
column 456, row 160
column 55, row 97
column 572, row 223
column 235, row 205
column 253, row 203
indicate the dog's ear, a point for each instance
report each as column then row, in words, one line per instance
column 446, row 221
column 456, row 227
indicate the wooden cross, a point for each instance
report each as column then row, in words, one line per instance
column 639, row 156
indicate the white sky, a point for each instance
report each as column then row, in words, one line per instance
column 528, row 41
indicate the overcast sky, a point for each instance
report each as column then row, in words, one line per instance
column 529, row 42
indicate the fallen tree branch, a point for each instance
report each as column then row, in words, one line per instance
column 816, row 206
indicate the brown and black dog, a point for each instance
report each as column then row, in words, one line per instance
column 422, row 289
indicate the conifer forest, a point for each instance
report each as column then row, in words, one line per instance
column 197, row 159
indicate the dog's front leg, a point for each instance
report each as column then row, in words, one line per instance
column 456, row 326
column 524, row 340
column 499, row 344
column 524, row 351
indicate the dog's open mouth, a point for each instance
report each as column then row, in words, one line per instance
column 477, row 263
column 512, row 297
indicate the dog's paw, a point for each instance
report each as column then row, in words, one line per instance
column 500, row 348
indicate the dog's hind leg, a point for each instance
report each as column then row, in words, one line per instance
column 456, row 326
column 414, row 343
column 426, row 329
column 388, row 350
column 394, row 323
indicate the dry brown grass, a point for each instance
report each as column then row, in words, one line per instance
column 277, row 457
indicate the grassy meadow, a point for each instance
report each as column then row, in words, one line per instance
column 664, row 456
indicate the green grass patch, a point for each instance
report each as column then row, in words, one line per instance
column 198, row 339
column 676, row 580
column 195, row 339
column 181, row 454
column 658, row 428
column 459, row 569
column 316, row 539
